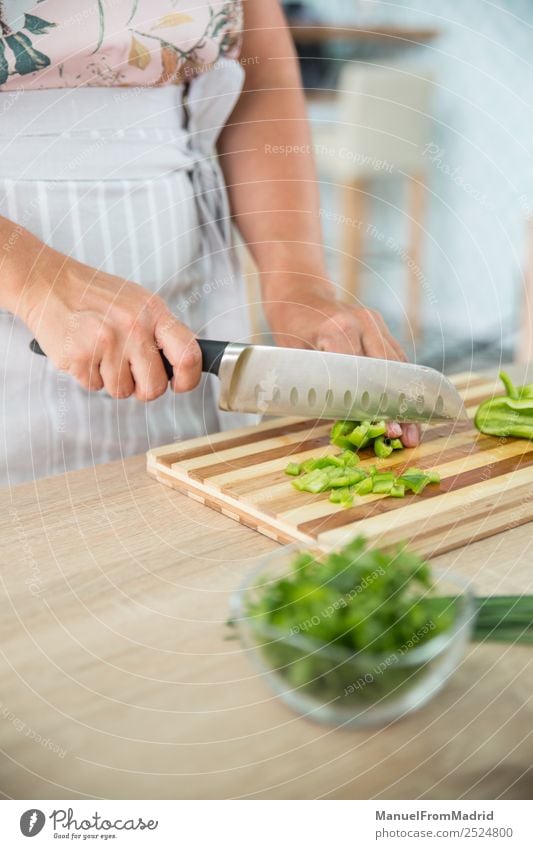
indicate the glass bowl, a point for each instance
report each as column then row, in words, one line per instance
column 337, row 686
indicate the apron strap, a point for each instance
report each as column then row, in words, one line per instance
column 211, row 99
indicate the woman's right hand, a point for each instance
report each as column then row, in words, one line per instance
column 104, row 331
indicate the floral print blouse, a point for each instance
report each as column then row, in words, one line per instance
column 65, row 44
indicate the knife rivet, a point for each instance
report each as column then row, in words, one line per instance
column 311, row 397
column 348, row 399
column 293, row 397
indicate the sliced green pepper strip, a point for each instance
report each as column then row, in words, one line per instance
column 359, row 435
column 348, row 477
column 382, row 487
column 416, row 480
column 314, row 482
column 364, row 487
column 510, row 388
column 376, row 429
column 383, row 476
column 342, row 428
column 507, row 415
column 382, row 447
column 293, row 469
column 339, row 433
column 342, row 496
column 322, row 463
column 350, row 458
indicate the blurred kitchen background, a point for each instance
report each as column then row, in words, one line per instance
column 423, row 127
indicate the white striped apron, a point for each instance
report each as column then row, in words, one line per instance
column 111, row 177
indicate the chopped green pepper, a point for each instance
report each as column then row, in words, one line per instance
column 348, row 477
column 350, row 458
column 364, row 487
column 383, row 485
column 343, row 477
column 314, row 482
column 382, row 447
column 376, row 429
column 321, row 463
column 342, row 496
column 293, row 469
column 339, row 432
column 359, row 435
column 417, row 479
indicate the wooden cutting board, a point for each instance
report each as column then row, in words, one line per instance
column 486, row 486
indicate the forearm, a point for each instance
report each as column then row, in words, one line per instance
column 266, row 155
column 19, row 266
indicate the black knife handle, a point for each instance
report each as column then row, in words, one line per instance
column 212, row 352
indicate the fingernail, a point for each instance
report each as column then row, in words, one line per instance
column 411, row 435
column 394, row 430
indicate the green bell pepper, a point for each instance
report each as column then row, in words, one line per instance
column 507, row 415
column 382, row 447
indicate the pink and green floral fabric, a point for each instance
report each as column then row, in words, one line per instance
column 65, row 44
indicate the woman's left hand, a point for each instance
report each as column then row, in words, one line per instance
column 325, row 324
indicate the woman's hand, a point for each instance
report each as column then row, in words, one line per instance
column 319, row 321
column 104, row 331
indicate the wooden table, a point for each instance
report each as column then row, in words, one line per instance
column 117, row 680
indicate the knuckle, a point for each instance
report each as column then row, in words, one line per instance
column 105, row 336
column 156, row 304
column 123, row 317
column 138, row 331
column 345, row 322
column 79, row 365
column 185, row 381
column 151, row 392
column 120, row 391
column 90, row 383
column 190, row 360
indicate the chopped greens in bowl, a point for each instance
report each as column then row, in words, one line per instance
column 355, row 637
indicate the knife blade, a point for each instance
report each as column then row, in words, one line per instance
column 319, row 384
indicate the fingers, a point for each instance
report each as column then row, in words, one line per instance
column 182, row 350
column 410, row 435
column 360, row 332
column 85, row 369
column 377, row 339
column 116, row 374
column 394, row 430
column 340, row 333
column 148, row 372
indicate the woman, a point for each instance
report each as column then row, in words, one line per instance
column 109, row 115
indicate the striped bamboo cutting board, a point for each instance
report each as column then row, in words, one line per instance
column 486, row 487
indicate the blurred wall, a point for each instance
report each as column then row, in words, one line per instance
column 480, row 167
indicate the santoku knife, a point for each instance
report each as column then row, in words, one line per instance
column 318, row 384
